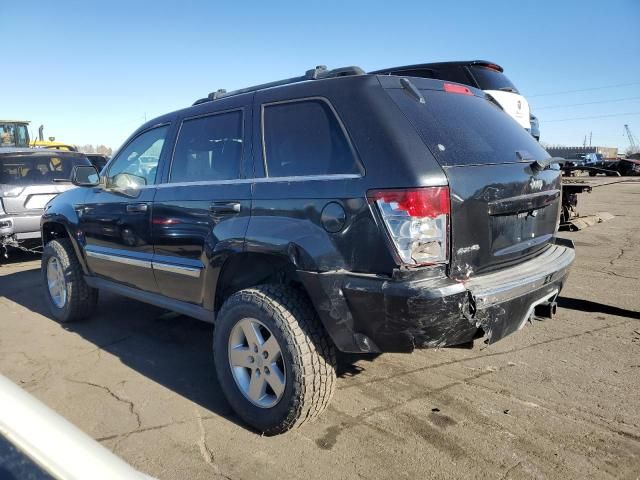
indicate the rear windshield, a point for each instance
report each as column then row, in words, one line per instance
column 467, row 130
column 38, row 169
column 490, row 79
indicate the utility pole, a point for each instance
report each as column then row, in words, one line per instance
column 590, row 135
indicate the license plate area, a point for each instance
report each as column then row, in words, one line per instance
column 515, row 232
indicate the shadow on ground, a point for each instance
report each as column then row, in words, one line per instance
column 170, row 349
column 595, row 307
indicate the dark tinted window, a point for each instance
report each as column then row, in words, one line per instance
column 98, row 161
column 454, row 73
column 209, row 148
column 465, row 129
column 305, row 138
column 38, row 168
column 415, row 72
column 490, row 79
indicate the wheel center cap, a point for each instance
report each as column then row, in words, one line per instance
column 259, row 361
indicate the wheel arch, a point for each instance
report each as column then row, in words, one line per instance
column 248, row 269
column 53, row 229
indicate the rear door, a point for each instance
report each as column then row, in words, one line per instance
column 116, row 217
column 502, row 210
column 202, row 210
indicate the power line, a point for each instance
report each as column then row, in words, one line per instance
column 584, row 89
column 585, row 103
column 595, row 116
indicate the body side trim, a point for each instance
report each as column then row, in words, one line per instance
column 158, row 300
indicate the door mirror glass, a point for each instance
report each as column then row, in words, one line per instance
column 85, row 176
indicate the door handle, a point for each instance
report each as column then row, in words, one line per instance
column 137, row 207
column 225, row 207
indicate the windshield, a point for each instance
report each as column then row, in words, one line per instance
column 34, row 169
column 467, row 130
column 14, row 135
column 491, row 79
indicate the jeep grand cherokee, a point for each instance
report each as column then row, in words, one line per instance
column 336, row 210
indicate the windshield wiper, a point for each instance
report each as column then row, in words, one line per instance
column 61, row 180
column 540, row 165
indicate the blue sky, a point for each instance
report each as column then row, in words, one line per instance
column 91, row 73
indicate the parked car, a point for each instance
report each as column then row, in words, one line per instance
column 36, row 443
column 628, row 166
column 98, row 160
column 29, row 178
column 336, row 210
column 481, row 74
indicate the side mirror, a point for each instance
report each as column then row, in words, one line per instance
column 85, row 176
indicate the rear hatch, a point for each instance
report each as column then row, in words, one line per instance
column 28, row 180
column 503, row 212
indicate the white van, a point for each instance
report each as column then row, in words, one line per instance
column 481, row 74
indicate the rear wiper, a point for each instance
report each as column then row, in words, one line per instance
column 508, row 89
column 539, row 165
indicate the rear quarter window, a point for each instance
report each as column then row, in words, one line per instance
column 467, row 130
column 303, row 138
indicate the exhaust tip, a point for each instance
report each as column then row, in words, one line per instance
column 546, row 310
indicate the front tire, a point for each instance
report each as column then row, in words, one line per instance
column 275, row 363
column 68, row 296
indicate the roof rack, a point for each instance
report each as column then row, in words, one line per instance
column 318, row 73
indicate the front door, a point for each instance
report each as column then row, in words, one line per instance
column 202, row 210
column 116, row 217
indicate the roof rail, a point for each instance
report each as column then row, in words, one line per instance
column 318, row 73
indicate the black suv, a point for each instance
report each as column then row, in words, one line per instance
column 336, row 210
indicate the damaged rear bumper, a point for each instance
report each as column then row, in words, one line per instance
column 367, row 313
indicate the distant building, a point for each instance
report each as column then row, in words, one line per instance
column 573, row 152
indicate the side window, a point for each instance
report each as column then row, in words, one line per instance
column 137, row 164
column 304, row 138
column 208, row 148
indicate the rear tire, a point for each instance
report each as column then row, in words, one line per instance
column 68, row 296
column 305, row 360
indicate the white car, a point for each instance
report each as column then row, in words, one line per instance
column 481, row 74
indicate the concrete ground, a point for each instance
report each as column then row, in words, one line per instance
column 559, row 399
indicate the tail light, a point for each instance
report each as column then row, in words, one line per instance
column 417, row 220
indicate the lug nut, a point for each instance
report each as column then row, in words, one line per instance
column 265, row 355
column 255, row 348
column 266, row 370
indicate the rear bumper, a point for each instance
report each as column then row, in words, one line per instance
column 369, row 313
column 23, row 227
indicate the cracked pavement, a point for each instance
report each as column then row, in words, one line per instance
column 558, row 399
